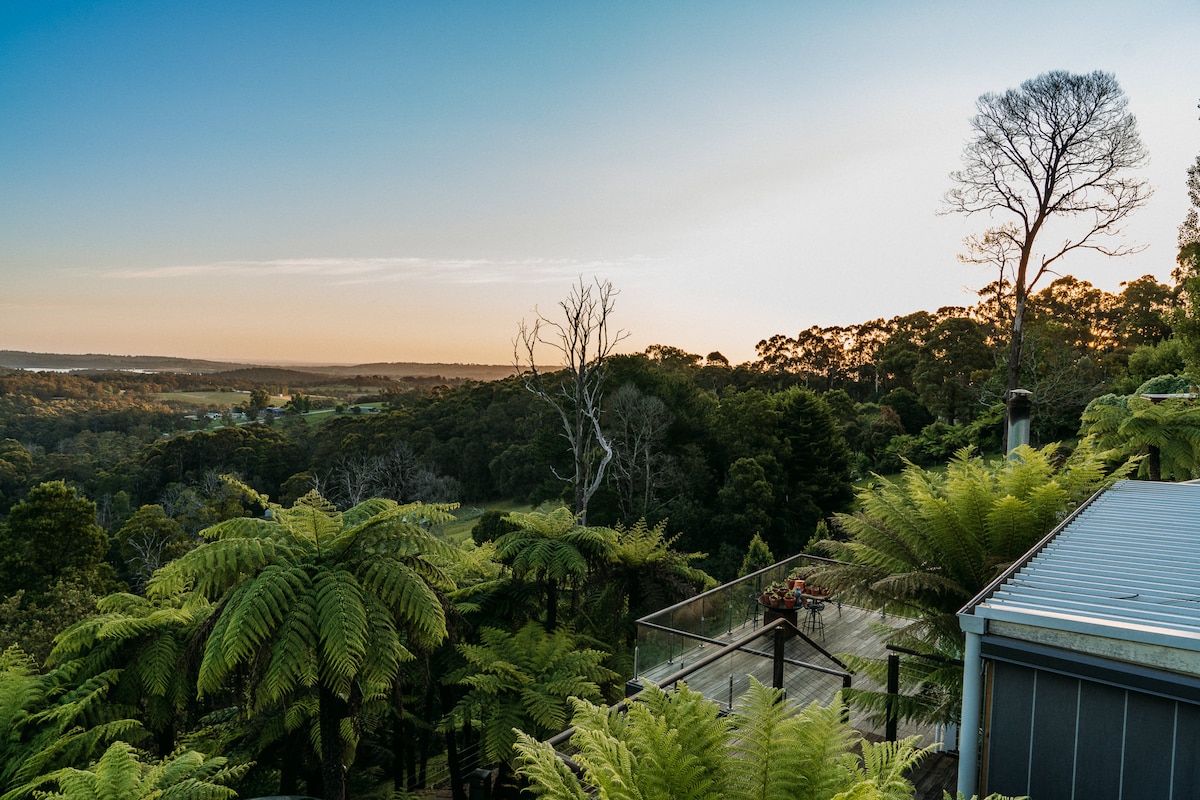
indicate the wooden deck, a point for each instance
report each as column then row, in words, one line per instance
column 847, row 629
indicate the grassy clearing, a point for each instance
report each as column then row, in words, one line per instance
column 315, row 417
column 225, row 399
column 467, row 515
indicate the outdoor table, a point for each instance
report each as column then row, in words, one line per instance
column 772, row 613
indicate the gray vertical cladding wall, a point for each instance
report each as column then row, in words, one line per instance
column 1098, row 734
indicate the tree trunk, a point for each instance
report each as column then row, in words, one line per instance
column 551, row 604
column 332, row 709
column 452, row 758
column 1016, row 343
column 398, row 765
column 424, row 739
column 1154, row 463
column 164, row 741
column 581, row 438
column 290, row 762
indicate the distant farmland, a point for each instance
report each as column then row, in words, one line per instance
column 223, row 399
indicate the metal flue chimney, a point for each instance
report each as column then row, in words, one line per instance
column 1019, row 403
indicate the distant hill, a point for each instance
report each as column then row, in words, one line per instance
column 91, row 362
column 403, row 369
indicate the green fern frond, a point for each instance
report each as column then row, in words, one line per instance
column 341, row 629
column 371, row 507
column 403, row 589
column 292, row 661
column 260, row 607
column 885, row 765
column 214, row 667
column 212, row 568
column 122, row 774
column 548, row 776
column 158, row 664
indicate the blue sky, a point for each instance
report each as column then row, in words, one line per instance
column 361, row 181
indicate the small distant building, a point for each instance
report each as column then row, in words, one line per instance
column 1082, row 671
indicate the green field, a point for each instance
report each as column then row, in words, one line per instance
column 467, row 516
column 226, row 399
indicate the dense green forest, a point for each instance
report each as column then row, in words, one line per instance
column 719, row 451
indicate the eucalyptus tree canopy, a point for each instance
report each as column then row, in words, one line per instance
column 1055, row 149
column 1189, row 231
column 1187, row 272
column 52, row 534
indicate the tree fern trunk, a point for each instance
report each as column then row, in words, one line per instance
column 290, row 762
column 333, row 772
column 452, row 760
column 551, row 604
column 164, row 741
column 425, row 736
column 398, row 765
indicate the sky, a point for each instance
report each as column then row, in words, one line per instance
column 337, row 183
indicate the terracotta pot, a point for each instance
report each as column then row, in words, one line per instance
column 789, row 601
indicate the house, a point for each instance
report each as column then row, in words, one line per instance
column 1082, row 667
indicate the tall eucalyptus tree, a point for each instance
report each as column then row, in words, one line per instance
column 1056, row 148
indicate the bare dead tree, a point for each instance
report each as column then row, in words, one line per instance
column 639, row 428
column 397, row 474
column 353, row 480
column 584, row 342
column 1057, row 147
column 151, row 550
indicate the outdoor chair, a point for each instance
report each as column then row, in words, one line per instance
column 813, row 622
column 752, row 610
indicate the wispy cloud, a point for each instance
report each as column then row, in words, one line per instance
column 346, row 271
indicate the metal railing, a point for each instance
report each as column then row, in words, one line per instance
column 670, row 635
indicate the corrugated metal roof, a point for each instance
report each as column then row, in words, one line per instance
column 1126, row 566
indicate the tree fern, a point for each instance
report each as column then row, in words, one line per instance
column 552, row 549
column 48, row 721
column 924, row 545
column 122, row 774
column 548, row 777
column 674, row 745
column 525, row 680
column 641, row 573
column 1161, row 438
column 316, row 600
